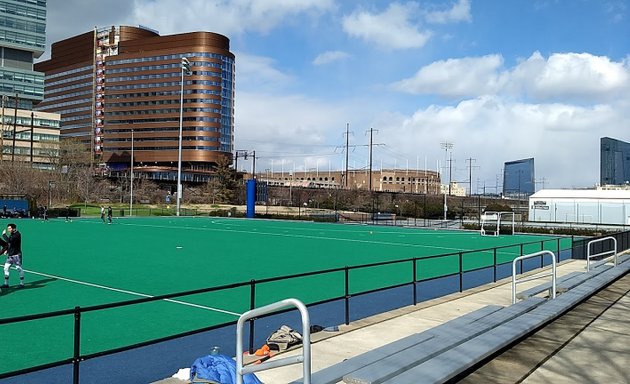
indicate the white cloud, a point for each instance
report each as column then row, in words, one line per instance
column 571, row 75
column 394, row 28
column 471, row 76
column 255, row 72
column 229, row 17
column 459, row 12
column 287, row 128
column 494, row 131
column 563, row 76
column 330, row 57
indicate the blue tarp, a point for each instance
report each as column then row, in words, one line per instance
column 219, row 368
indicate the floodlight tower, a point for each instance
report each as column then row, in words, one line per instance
column 185, row 66
column 446, row 145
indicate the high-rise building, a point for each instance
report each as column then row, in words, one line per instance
column 519, row 178
column 614, row 162
column 118, row 89
column 25, row 136
column 22, row 39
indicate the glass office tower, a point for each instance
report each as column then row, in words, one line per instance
column 22, row 39
column 614, row 162
column 519, row 178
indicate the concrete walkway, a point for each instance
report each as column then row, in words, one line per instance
column 589, row 344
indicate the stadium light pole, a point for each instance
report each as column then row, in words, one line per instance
column 131, row 178
column 185, row 67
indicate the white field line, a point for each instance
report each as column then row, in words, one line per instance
column 130, row 292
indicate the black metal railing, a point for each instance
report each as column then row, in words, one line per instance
column 418, row 275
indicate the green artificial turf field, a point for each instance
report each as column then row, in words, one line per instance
column 85, row 262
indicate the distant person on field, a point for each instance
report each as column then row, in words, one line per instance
column 103, row 214
column 14, row 253
column 109, row 214
column 45, row 213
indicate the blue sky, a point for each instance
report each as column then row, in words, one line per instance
column 501, row 80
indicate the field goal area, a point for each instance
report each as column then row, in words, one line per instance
column 491, row 223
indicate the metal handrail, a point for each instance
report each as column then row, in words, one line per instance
column 523, row 280
column 613, row 252
column 305, row 358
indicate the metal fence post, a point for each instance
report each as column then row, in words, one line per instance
column 494, row 256
column 461, row 272
column 347, row 293
column 415, row 277
column 76, row 356
column 252, row 305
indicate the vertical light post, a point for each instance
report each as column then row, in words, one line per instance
column 51, row 184
column 131, row 185
column 185, row 67
column 446, row 145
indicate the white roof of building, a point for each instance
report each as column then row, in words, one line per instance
column 581, row 194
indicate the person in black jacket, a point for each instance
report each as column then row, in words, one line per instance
column 14, row 253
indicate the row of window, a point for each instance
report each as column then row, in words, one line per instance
column 29, row 12
column 22, row 38
column 164, row 84
column 67, row 88
column 175, row 148
column 70, row 79
column 26, row 151
column 65, row 119
column 228, row 60
column 28, row 26
column 36, row 92
column 73, row 110
column 26, row 121
column 26, row 135
column 162, row 102
column 163, row 93
column 71, row 72
column 165, row 129
column 50, row 107
column 148, row 139
column 166, row 120
column 161, row 76
column 162, row 66
column 162, row 111
column 31, row 78
column 69, row 95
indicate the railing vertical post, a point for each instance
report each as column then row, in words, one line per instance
column 558, row 249
column 252, row 305
column 347, row 293
column 415, row 278
column 521, row 259
column 494, row 257
column 76, row 356
column 461, row 272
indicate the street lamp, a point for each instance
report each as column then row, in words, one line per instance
column 131, row 185
column 185, row 66
column 51, row 184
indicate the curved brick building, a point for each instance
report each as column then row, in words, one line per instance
column 109, row 82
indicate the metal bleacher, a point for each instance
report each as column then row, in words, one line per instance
column 451, row 349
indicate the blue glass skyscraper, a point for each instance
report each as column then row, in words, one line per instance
column 519, row 178
column 614, row 162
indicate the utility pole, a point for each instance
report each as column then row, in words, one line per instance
column 14, row 127
column 446, row 145
column 470, row 167
column 347, row 147
column 371, row 134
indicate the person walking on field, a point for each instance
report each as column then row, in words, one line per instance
column 14, row 253
column 109, row 214
column 103, row 214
